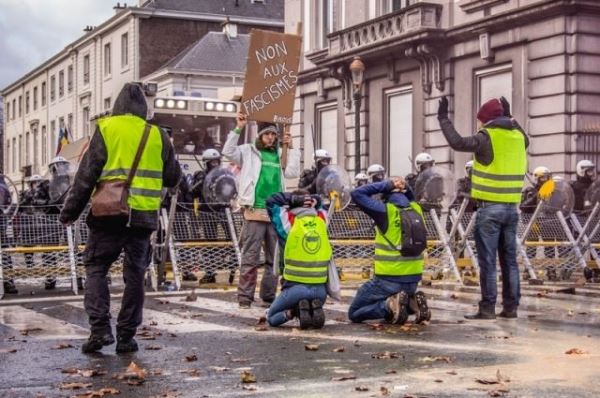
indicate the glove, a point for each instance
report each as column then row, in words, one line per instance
column 505, row 106
column 443, row 108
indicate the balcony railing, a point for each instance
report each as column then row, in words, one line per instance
column 420, row 16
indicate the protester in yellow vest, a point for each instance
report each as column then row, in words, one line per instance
column 300, row 222
column 392, row 293
column 497, row 181
column 109, row 157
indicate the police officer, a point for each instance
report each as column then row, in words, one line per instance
column 423, row 161
column 586, row 175
column 360, row 179
column 376, row 173
column 497, row 181
column 211, row 159
column 308, row 178
column 110, row 155
column 5, row 205
column 530, row 196
column 463, row 190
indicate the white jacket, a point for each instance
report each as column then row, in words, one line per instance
column 247, row 157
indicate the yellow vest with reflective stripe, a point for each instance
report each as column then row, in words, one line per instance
column 307, row 251
column 503, row 179
column 388, row 259
column 122, row 135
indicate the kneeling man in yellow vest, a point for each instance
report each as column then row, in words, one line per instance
column 300, row 222
column 400, row 241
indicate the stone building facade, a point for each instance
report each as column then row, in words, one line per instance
column 543, row 55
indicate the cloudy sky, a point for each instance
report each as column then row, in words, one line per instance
column 31, row 31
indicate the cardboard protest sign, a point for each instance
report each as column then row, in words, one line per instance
column 271, row 76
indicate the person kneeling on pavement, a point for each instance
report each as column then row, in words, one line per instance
column 400, row 239
column 300, row 222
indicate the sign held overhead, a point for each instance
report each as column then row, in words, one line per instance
column 271, row 76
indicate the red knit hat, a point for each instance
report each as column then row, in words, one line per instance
column 491, row 110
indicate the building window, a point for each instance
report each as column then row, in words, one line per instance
column 34, row 133
column 7, row 110
column 27, row 146
column 70, row 78
column 106, row 103
column 43, row 93
column 107, row 70
column 7, row 165
column 327, row 129
column 325, row 22
column 70, row 123
column 14, row 155
column 398, row 134
column 20, row 106
column 85, row 118
column 493, row 82
column 124, row 50
column 35, row 98
column 86, row 69
column 53, row 141
column 14, row 109
column 26, row 102
column 61, row 83
column 44, row 145
column 52, row 88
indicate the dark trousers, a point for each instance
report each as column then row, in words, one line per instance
column 369, row 302
column 496, row 231
column 102, row 249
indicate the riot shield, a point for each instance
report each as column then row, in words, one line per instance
column 561, row 197
column 219, row 188
column 60, row 182
column 592, row 195
column 334, row 184
column 435, row 187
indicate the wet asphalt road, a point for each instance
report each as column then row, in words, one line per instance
column 443, row 359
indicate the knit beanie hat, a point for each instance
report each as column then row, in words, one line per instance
column 490, row 110
column 264, row 127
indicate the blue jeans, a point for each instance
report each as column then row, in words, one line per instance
column 496, row 231
column 369, row 302
column 290, row 297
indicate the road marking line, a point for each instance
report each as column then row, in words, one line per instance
column 20, row 318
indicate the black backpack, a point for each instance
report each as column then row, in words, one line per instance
column 414, row 233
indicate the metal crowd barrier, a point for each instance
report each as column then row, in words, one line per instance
column 36, row 249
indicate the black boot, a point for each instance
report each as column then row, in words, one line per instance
column 508, row 313
column 9, row 287
column 397, row 306
column 50, row 284
column 304, row 314
column 80, row 285
column 209, row 277
column 318, row 316
column 96, row 342
column 483, row 313
column 418, row 305
column 126, row 343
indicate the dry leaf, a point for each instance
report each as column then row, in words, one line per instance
column 262, row 320
column 133, row 372
column 575, row 351
column 261, row 328
column 91, row 372
column 452, row 372
column 248, row 377
column 498, row 393
column 70, row 370
column 386, row 355
column 249, row 387
column 156, row 372
column 62, row 346
column 361, row 388
column 487, row 381
column 135, row 382
column 74, row 386
column 436, row 359
column 153, row 347
column 356, row 343
column 191, row 358
column 384, row 391
column 390, row 371
column 339, row 349
column 153, row 323
column 8, row 351
column 344, row 378
column 311, row 347
column 99, row 393
column 191, row 372
column 25, row 332
column 439, row 380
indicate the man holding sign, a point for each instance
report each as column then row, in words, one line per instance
column 261, row 176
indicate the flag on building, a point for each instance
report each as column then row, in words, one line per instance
column 63, row 139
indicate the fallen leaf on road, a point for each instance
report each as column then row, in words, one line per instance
column 339, row 349
column 62, row 346
column 191, row 372
column 133, row 374
column 356, row 343
column 487, row 381
column 153, row 347
column 191, row 358
column 344, row 378
column 436, row 359
column 153, row 323
column 172, row 335
column 70, row 370
column 99, row 393
column 452, row 372
column 384, row 391
column 91, row 372
column 25, row 332
column 248, row 377
column 8, row 350
column 575, row 351
column 260, row 328
column 498, row 393
column 74, row 386
column 386, row 355
column 156, row 372
column 453, row 296
column 262, row 320
column 249, row 387
column 219, row 369
column 390, row 371
column 570, row 313
column 311, row 347
column 361, row 388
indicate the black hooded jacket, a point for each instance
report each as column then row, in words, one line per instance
column 580, row 187
column 131, row 100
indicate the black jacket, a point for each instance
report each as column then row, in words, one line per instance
column 130, row 101
column 529, row 199
column 308, row 180
column 480, row 144
column 580, row 187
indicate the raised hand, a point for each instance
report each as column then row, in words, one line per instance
column 443, row 108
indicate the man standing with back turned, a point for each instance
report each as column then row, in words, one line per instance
column 497, row 181
column 110, row 156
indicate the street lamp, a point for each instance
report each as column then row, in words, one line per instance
column 357, row 68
